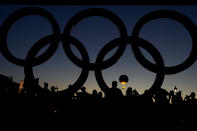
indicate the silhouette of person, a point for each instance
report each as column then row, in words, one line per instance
column 161, row 96
column 46, row 89
column 171, row 97
column 32, row 87
column 94, row 97
column 115, row 94
column 100, row 97
column 193, row 95
column 69, row 95
column 54, row 90
column 46, row 85
column 83, row 95
column 187, row 99
column 192, row 98
column 94, row 93
column 129, row 92
column 129, row 96
column 178, row 98
column 135, row 93
column 146, row 98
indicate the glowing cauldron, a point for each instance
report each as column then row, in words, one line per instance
column 123, row 80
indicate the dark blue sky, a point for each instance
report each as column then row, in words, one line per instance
column 168, row 36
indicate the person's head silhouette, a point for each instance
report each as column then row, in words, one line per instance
column 171, row 93
column 52, row 89
column 129, row 91
column 114, row 84
column 70, row 86
column 46, row 85
column 193, row 95
column 100, row 94
column 94, row 93
column 179, row 94
column 83, row 89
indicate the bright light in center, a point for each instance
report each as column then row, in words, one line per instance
column 123, row 82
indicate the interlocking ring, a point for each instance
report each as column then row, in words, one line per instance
column 88, row 13
column 185, row 21
column 12, row 19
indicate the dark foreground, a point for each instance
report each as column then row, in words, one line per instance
column 112, row 116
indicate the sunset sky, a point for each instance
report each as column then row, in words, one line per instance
column 168, row 36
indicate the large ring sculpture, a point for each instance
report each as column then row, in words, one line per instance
column 134, row 41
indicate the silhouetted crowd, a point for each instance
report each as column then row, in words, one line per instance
column 113, row 96
column 79, row 103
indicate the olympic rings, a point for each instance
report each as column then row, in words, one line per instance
column 11, row 20
column 185, row 21
column 134, row 41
